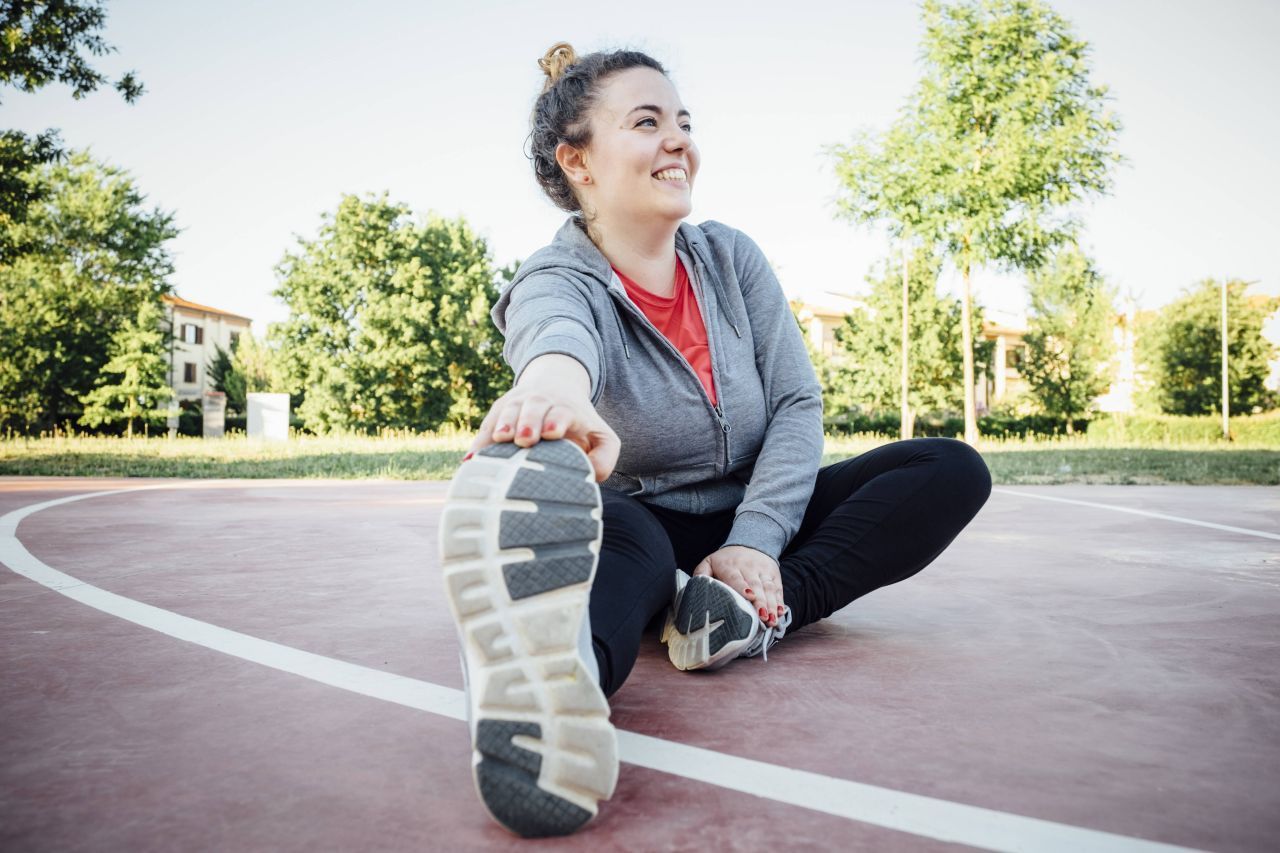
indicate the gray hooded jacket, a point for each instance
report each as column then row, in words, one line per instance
column 758, row 450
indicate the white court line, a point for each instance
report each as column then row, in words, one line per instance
column 911, row 813
column 1148, row 513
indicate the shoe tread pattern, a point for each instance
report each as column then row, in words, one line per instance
column 508, row 780
column 522, row 648
column 705, row 602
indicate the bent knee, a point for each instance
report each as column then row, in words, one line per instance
column 964, row 469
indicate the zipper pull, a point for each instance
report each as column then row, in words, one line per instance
column 724, row 425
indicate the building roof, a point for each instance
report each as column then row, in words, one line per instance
column 179, row 302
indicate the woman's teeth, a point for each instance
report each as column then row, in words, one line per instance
column 671, row 175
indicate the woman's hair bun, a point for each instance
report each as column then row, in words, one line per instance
column 556, row 61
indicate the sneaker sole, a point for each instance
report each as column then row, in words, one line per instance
column 709, row 627
column 519, row 542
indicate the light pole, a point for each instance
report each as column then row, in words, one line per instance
column 905, row 423
column 1226, row 399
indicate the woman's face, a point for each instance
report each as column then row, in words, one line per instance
column 641, row 160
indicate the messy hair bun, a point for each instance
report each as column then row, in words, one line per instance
column 556, row 61
column 562, row 110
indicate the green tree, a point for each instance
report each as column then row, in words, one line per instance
column 134, row 383
column 389, row 321
column 40, row 43
column 869, row 357
column 92, row 255
column 223, row 377
column 1181, row 351
column 1069, row 339
column 1003, row 134
column 250, row 367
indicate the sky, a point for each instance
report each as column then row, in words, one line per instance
column 258, row 117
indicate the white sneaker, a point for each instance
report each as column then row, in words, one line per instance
column 710, row 624
column 519, row 543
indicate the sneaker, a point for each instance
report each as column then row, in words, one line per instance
column 710, row 624
column 519, row 542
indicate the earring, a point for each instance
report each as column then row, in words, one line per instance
column 586, row 179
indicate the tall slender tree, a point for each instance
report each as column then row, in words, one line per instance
column 1069, row 339
column 1003, row 134
column 868, row 362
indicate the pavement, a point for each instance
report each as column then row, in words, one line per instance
column 270, row 665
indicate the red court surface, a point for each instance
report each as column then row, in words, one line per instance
column 270, row 665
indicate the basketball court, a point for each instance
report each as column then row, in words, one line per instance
column 271, row 665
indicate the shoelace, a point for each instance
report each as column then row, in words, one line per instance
column 766, row 638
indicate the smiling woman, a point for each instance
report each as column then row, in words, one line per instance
column 660, row 452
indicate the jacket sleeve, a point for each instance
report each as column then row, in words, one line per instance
column 787, row 466
column 545, row 314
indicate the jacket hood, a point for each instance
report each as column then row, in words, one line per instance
column 572, row 252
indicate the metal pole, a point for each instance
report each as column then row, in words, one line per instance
column 1226, row 402
column 904, row 430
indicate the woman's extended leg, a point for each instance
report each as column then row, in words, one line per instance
column 879, row 518
column 635, row 579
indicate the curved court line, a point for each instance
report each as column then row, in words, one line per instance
column 911, row 813
column 1148, row 513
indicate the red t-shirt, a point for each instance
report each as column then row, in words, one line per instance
column 679, row 321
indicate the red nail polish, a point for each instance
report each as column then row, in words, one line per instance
column 764, row 614
column 779, row 609
column 468, row 456
column 525, row 432
column 748, row 591
column 550, row 427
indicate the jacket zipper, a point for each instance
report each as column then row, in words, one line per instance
column 725, row 427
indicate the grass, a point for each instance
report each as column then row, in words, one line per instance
column 408, row 456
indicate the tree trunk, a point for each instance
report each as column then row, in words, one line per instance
column 905, row 419
column 970, row 407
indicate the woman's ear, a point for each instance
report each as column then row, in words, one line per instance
column 574, row 164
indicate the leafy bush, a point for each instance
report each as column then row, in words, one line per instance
column 1259, row 430
column 997, row 424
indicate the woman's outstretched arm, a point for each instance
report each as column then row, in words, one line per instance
column 551, row 399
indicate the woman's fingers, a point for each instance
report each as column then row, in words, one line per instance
column 505, row 428
column 774, row 591
column 528, row 430
column 764, row 597
column 555, row 423
column 529, row 417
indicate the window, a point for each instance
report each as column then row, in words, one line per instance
column 1013, row 358
column 192, row 334
column 189, row 371
column 235, row 339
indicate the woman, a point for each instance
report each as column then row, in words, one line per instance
column 661, row 360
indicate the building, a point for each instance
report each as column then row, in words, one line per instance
column 1005, row 381
column 820, row 321
column 198, row 330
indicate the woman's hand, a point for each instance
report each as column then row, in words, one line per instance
column 529, row 413
column 752, row 573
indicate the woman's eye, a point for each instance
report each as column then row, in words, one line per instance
column 688, row 128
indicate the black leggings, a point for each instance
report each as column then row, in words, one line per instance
column 873, row 520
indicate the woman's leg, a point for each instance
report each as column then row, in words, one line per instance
column 879, row 518
column 635, row 579
column 640, row 550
